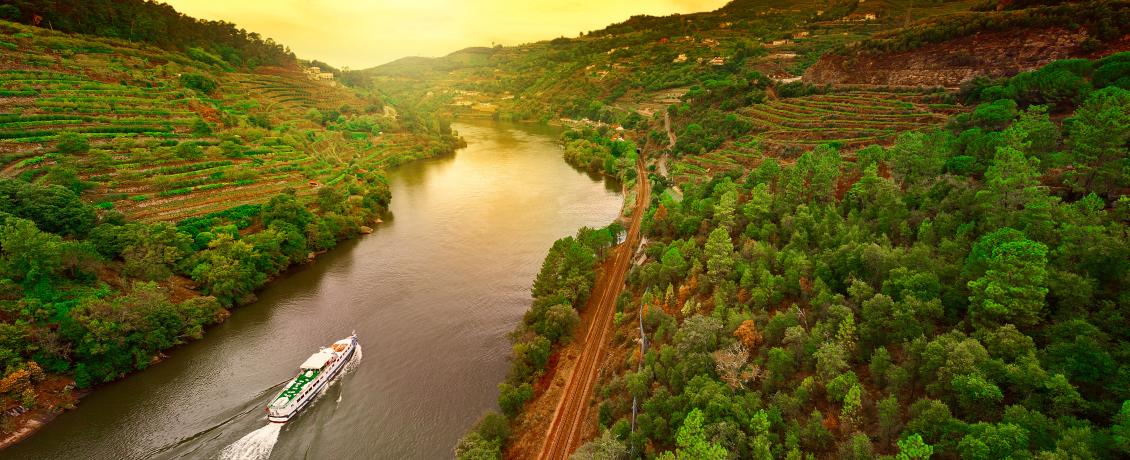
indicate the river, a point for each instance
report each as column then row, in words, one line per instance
column 432, row 294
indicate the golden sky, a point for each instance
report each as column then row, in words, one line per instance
column 364, row 33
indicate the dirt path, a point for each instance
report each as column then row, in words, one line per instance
column 670, row 134
column 566, row 430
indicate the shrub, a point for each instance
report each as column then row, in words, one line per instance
column 198, row 82
column 512, row 398
column 72, row 143
column 189, row 151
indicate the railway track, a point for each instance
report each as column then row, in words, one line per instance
column 566, row 430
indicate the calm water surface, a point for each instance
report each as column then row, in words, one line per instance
column 432, row 294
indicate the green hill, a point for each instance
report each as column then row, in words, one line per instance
column 146, row 188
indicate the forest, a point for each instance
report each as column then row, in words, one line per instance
column 959, row 293
column 152, row 22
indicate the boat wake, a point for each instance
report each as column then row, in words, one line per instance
column 258, row 444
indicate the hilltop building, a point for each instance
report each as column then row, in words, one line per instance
column 316, row 73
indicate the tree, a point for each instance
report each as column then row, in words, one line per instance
column 198, row 82
column 699, row 334
column 53, row 208
column 994, row 441
column 153, row 250
column 1013, row 288
column 724, row 209
column 512, row 398
column 474, row 447
column 28, row 255
column 975, row 394
column 1100, row 132
column 914, row 448
column 605, row 447
column 831, row 360
column 189, row 151
column 720, row 255
column 674, row 265
column 558, row 322
column 1120, row 431
column 889, row 419
column 227, row 269
column 692, row 442
column 1010, row 182
column 285, row 207
column 71, row 143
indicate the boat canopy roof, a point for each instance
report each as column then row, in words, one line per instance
column 317, row 360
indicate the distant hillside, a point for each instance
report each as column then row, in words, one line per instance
column 753, row 51
column 773, row 61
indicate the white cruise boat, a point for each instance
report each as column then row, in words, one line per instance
column 315, row 373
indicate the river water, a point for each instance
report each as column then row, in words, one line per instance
column 432, row 294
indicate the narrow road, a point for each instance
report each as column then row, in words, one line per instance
column 566, row 431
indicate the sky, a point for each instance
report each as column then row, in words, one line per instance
column 364, row 33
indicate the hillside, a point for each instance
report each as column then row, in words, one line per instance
column 633, row 71
column 145, row 190
column 877, row 230
column 954, row 49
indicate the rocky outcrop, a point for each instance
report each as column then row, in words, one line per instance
column 949, row 64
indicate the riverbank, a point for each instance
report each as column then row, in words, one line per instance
column 54, row 393
column 432, row 293
column 554, row 366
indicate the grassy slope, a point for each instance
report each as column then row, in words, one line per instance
column 127, row 100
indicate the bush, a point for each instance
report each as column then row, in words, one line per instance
column 511, row 398
column 189, row 151
column 201, row 127
column 72, row 143
column 198, row 82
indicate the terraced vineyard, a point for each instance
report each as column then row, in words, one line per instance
column 848, row 118
column 158, row 150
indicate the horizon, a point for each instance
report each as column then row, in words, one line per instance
column 362, row 35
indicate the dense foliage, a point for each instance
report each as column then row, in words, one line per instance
column 591, row 150
column 960, row 293
column 90, row 294
column 213, row 42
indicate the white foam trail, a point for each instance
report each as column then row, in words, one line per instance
column 256, row 445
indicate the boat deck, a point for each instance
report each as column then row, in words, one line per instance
column 296, row 387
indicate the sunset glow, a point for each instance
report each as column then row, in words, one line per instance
column 361, row 34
